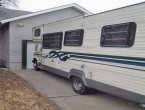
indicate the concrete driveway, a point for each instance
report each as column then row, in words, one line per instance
column 59, row 90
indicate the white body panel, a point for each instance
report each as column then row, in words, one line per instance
column 130, row 77
column 58, row 27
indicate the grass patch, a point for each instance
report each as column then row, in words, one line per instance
column 17, row 94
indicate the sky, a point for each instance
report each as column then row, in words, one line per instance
column 94, row 6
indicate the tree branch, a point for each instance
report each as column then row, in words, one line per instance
column 6, row 3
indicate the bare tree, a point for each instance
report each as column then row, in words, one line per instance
column 6, row 3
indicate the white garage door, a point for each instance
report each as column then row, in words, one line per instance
column 30, row 51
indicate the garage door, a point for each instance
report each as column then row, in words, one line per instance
column 30, row 50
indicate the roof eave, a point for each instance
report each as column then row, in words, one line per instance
column 85, row 12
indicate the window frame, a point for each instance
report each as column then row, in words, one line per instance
column 81, row 38
column 35, row 34
column 60, row 43
column 130, row 37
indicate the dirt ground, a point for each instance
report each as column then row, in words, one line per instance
column 17, row 94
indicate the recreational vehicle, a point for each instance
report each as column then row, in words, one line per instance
column 104, row 51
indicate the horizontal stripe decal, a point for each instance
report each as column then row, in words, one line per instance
column 64, row 56
column 107, row 56
column 111, row 60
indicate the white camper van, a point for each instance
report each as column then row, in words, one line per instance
column 105, row 51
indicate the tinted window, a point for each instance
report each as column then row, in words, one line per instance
column 52, row 40
column 74, row 37
column 37, row 32
column 118, row 35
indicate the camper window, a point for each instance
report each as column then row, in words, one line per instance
column 74, row 37
column 118, row 35
column 52, row 40
column 37, row 32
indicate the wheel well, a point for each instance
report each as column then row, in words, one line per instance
column 71, row 77
column 79, row 74
column 34, row 60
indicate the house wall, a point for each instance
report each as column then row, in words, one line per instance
column 17, row 34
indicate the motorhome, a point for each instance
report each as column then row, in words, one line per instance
column 104, row 51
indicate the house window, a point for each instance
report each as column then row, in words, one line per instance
column 52, row 40
column 37, row 32
column 118, row 35
column 74, row 37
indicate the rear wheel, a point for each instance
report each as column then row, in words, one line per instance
column 79, row 86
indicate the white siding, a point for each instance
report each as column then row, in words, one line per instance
column 94, row 24
column 62, row 26
column 128, row 79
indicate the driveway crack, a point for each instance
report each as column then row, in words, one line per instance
column 63, row 96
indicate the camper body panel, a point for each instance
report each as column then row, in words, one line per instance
column 93, row 25
column 118, row 70
column 62, row 26
column 125, row 76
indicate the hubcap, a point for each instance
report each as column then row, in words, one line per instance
column 77, row 84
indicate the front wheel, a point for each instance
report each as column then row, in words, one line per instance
column 36, row 68
column 79, row 86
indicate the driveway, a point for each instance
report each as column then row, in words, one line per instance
column 59, row 90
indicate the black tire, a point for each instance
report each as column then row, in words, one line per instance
column 36, row 68
column 79, row 86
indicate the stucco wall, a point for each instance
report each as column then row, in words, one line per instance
column 17, row 34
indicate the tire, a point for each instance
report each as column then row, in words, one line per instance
column 79, row 86
column 36, row 68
